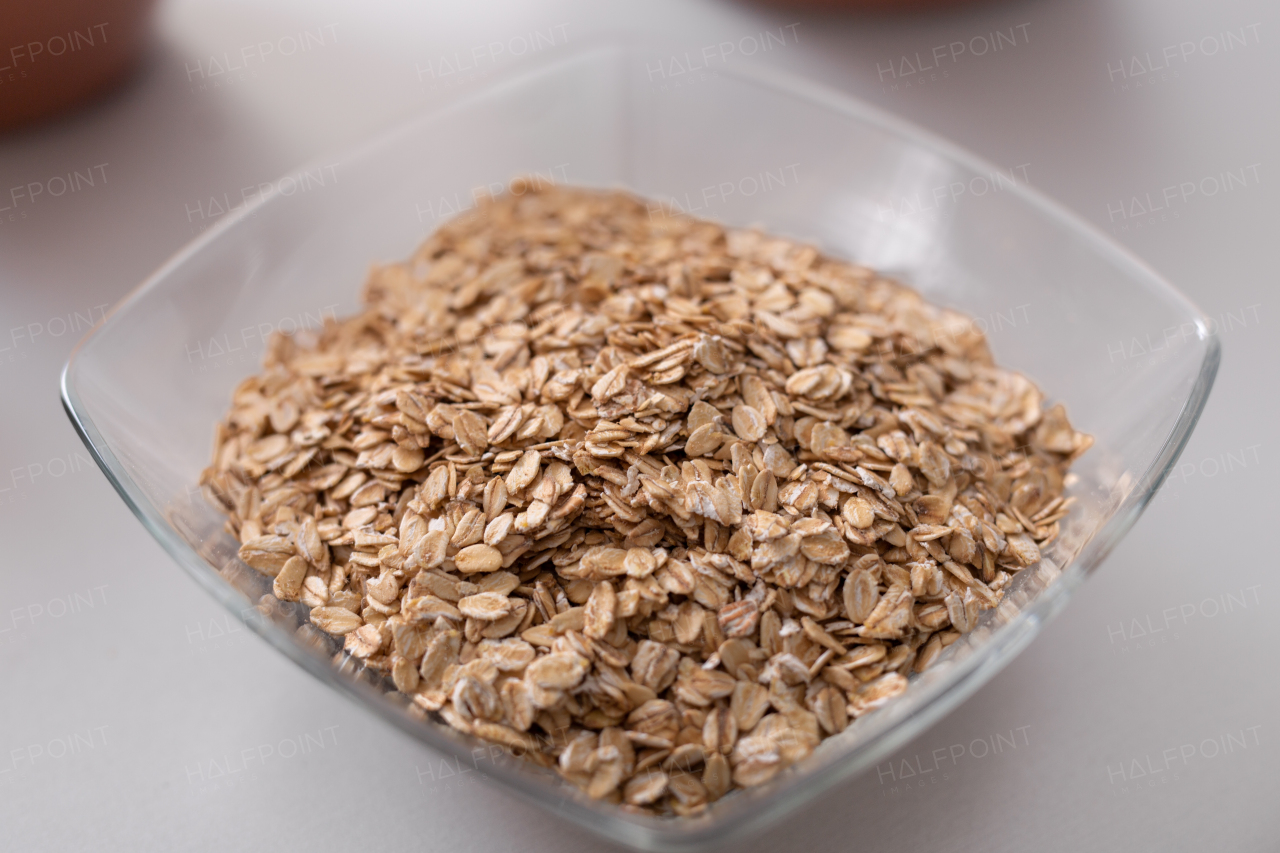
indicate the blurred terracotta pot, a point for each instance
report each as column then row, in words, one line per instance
column 58, row 54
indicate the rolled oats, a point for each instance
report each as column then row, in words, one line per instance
column 654, row 502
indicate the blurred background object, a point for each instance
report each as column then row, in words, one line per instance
column 59, row 54
column 872, row 5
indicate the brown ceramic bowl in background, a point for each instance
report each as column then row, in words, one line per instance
column 58, row 54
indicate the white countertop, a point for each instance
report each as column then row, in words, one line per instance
column 138, row 715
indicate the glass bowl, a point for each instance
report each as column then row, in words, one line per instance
column 1130, row 357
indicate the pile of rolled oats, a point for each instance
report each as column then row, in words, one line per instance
column 656, row 503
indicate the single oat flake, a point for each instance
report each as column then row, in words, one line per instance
column 656, row 503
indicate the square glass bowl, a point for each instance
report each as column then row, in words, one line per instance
column 1130, row 357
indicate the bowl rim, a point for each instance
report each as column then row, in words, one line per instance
column 782, row 798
